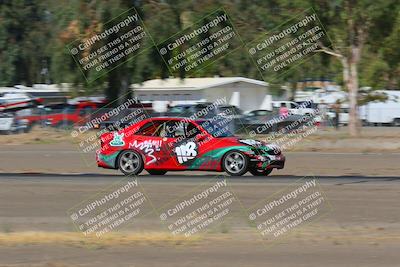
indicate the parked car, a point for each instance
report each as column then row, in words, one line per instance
column 162, row 144
column 61, row 115
column 9, row 123
column 302, row 108
column 255, row 119
column 230, row 110
column 264, row 121
column 259, row 114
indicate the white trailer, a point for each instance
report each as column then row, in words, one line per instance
column 387, row 112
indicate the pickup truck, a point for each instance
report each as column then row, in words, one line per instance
column 295, row 108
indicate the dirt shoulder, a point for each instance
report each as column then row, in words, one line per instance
column 371, row 139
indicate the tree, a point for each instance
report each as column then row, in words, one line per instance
column 23, row 32
column 355, row 24
column 391, row 55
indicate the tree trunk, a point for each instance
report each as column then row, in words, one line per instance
column 350, row 80
column 353, row 92
column 353, row 89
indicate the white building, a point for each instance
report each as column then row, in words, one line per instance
column 247, row 94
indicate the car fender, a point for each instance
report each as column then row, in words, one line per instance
column 245, row 149
column 216, row 155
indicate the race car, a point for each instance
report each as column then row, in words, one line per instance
column 160, row 144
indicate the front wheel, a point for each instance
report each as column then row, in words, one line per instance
column 235, row 163
column 257, row 172
column 130, row 162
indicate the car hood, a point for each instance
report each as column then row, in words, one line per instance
column 252, row 143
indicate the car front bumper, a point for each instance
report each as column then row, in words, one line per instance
column 268, row 162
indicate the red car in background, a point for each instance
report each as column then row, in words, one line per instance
column 62, row 115
column 159, row 145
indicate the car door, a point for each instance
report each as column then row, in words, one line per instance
column 208, row 147
column 172, row 151
column 151, row 145
column 182, row 143
column 180, row 150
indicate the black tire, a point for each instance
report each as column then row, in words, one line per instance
column 257, row 172
column 130, row 162
column 235, row 163
column 396, row 122
column 156, row 172
column 365, row 123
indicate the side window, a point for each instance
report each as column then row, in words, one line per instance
column 178, row 129
column 150, row 128
column 172, row 129
column 191, row 130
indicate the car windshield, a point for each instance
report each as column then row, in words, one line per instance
column 215, row 129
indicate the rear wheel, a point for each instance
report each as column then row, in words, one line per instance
column 130, row 162
column 235, row 163
column 257, row 172
column 156, row 172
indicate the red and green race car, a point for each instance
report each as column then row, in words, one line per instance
column 159, row 145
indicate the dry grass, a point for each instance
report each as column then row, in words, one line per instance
column 37, row 136
column 110, row 239
column 44, row 264
column 48, row 135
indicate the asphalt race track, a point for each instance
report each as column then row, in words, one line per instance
column 359, row 225
column 361, row 228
